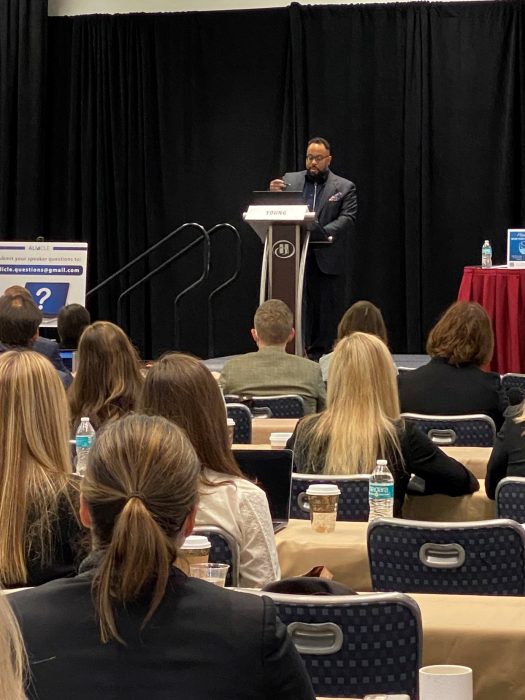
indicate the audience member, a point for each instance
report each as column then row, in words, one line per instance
column 508, row 454
column 45, row 346
column 19, row 321
column 108, row 381
column 13, row 659
column 362, row 316
column 40, row 534
column 182, row 389
column 134, row 622
column 271, row 370
column 362, row 424
column 71, row 321
column 453, row 383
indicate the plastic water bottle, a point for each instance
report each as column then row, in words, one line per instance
column 381, row 492
column 84, row 439
column 486, row 254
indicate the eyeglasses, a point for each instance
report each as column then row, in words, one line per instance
column 316, row 159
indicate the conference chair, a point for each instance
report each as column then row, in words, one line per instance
column 514, row 386
column 224, row 550
column 356, row 644
column 478, row 558
column 510, row 498
column 240, row 414
column 476, row 430
column 353, row 501
column 282, row 406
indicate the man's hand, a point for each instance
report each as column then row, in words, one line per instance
column 278, row 185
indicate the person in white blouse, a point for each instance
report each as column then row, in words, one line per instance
column 182, row 389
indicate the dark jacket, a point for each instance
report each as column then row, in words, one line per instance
column 508, row 454
column 442, row 389
column 203, row 642
column 51, row 350
column 440, row 473
column 70, row 544
column 336, row 211
column 65, row 375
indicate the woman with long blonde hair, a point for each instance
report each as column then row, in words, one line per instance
column 362, row 423
column 182, row 389
column 132, row 625
column 108, row 381
column 13, row 658
column 39, row 528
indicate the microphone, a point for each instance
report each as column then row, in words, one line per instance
column 40, row 239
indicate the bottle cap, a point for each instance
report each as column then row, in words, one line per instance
column 85, row 418
column 381, row 462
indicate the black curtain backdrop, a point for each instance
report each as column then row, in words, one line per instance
column 23, row 37
column 157, row 119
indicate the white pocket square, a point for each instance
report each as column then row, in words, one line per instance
column 336, row 197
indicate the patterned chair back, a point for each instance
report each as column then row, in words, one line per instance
column 510, row 498
column 285, row 406
column 354, row 645
column 224, row 550
column 474, row 558
column 242, row 432
column 476, row 430
column 353, row 501
column 513, row 381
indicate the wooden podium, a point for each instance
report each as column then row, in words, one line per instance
column 283, row 230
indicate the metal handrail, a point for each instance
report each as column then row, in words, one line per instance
column 228, row 281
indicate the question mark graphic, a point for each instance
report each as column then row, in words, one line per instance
column 42, row 295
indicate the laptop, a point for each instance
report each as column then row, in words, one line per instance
column 278, row 198
column 271, row 470
column 67, row 358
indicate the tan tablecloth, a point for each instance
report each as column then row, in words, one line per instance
column 475, row 458
column 344, row 551
column 486, row 633
column 262, row 427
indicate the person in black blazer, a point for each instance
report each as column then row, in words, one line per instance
column 132, row 625
column 508, row 454
column 362, row 424
column 453, row 382
column 334, row 200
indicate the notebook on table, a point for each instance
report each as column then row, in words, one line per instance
column 271, row 470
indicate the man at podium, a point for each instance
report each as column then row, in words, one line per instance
column 334, row 200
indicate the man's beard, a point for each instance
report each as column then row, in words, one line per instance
column 318, row 177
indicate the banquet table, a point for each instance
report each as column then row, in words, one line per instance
column 486, row 633
column 344, row 551
column 501, row 292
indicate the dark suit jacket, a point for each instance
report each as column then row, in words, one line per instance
column 442, row 389
column 50, row 348
column 203, row 643
column 336, row 211
column 439, row 472
column 65, row 376
column 508, row 454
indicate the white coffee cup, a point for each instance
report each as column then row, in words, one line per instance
column 195, row 549
column 323, row 500
column 445, row 682
column 279, row 439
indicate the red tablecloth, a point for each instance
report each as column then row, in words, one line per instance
column 501, row 292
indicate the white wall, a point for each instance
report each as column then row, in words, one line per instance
column 87, row 7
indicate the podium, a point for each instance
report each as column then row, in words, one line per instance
column 283, row 228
